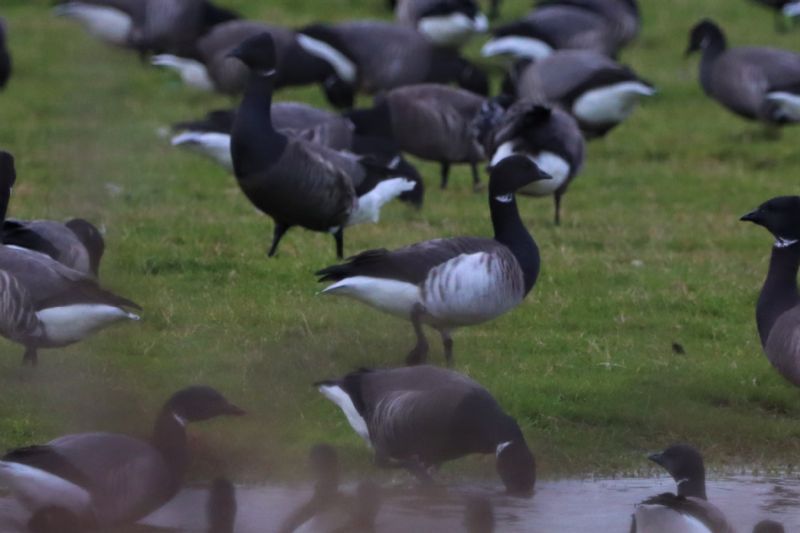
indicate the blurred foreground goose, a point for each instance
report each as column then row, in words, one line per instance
column 53, row 519
column 688, row 511
column 108, row 479
column 778, row 309
column 44, row 304
column 753, row 82
column 432, row 122
column 420, row 417
column 479, row 515
column 768, row 526
column 295, row 181
column 5, row 55
column 375, row 56
column 221, row 506
column 456, row 282
column 550, row 137
column 444, row 22
column 599, row 92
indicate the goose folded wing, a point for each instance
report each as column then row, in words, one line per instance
column 740, row 86
column 783, row 343
column 18, row 233
column 48, row 459
column 697, row 508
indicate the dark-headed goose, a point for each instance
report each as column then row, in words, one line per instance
column 687, row 511
column 444, row 22
column 551, row 137
column 456, row 282
column 778, row 309
column 599, row 92
column 107, row 479
column 295, row 181
column 375, row 56
column 5, row 55
column 433, row 122
column 479, row 515
column 420, row 417
column 44, row 304
column 754, row 82
column 221, row 506
column 768, row 526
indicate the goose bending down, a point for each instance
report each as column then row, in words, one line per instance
column 107, row 479
column 778, row 308
column 599, row 92
column 420, row 417
column 444, row 22
column 687, row 511
column 433, row 122
column 550, row 137
column 451, row 283
column 44, row 304
column 374, row 56
column 221, row 506
column 5, row 56
column 755, row 83
column 76, row 243
column 295, row 181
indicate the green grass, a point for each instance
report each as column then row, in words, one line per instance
column 585, row 364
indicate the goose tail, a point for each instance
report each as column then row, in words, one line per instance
column 784, row 106
column 370, row 204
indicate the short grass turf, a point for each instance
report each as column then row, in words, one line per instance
column 650, row 253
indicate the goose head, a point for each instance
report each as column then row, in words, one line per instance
column 704, row 35
column 511, row 174
column 685, row 464
column 91, row 238
column 768, row 526
column 8, row 176
column 258, row 54
column 199, row 403
column 781, row 217
column 517, row 467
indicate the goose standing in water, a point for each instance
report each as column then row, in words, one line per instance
column 420, row 417
column 5, row 56
column 456, row 282
column 221, row 506
column 444, row 22
column 108, row 479
column 778, row 308
column 295, row 181
column 753, row 82
column 44, row 304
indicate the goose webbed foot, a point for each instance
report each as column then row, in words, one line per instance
column 447, row 342
column 280, row 230
column 445, row 174
column 419, row 353
column 338, row 236
column 30, row 357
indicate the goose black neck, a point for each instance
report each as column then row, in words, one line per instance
column 694, row 486
column 510, row 231
column 715, row 48
column 169, row 437
column 779, row 293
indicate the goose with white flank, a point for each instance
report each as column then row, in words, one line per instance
column 601, row 26
column 753, row 82
column 456, row 282
column 688, row 511
column 599, row 92
column 5, row 55
column 550, row 137
column 778, row 308
column 221, row 506
column 375, row 56
column 444, row 22
column 44, row 304
column 295, row 181
column 433, row 122
column 108, row 479
column 420, row 417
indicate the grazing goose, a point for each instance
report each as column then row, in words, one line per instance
column 755, row 83
column 221, row 506
column 479, row 515
column 432, row 122
column 374, row 56
column 778, row 309
column 550, row 137
column 444, row 22
column 44, row 304
column 295, row 181
column 450, row 283
column 108, row 479
column 768, row 526
column 76, row 243
column 599, row 92
column 687, row 511
column 5, row 56
column 420, row 417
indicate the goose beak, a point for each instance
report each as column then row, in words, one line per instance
column 657, row 458
column 752, row 216
column 234, row 410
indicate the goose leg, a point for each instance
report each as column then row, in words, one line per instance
column 476, row 177
column 413, row 465
column 445, row 173
column 30, row 357
column 280, row 230
column 557, row 199
column 419, row 353
column 447, row 341
column 339, row 238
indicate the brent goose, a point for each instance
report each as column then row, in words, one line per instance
column 479, row 515
column 768, row 526
column 550, row 137
column 107, row 479
column 5, row 56
column 456, row 282
column 689, row 509
column 45, row 304
column 375, row 56
column 753, row 82
column 221, row 506
column 786, row 11
column 778, row 309
column 76, row 243
column 444, row 22
column 420, row 417
column 433, row 122
column 295, row 181
column 599, row 92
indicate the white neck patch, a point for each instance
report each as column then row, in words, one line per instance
column 505, row 199
column 782, row 242
column 179, row 419
column 682, row 481
column 502, row 446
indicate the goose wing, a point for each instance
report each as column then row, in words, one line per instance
column 683, row 514
column 568, row 27
column 18, row 319
column 738, row 83
column 49, row 237
column 565, row 75
column 783, row 344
